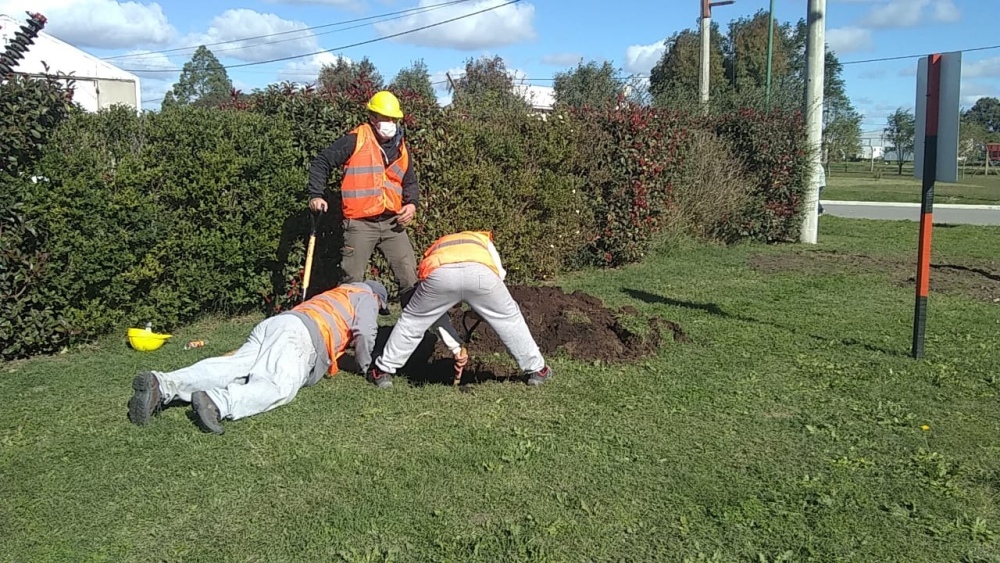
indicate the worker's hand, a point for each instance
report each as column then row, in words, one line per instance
column 405, row 215
column 317, row 204
column 461, row 358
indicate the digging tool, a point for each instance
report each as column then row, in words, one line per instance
column 468, row 336
column 309, row 256
column 465, row 324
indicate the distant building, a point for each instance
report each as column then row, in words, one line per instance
column 541, row 98
column 872, row 145
column 98, row 84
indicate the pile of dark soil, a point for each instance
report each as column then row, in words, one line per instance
column 576, row 325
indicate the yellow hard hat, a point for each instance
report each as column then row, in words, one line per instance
column 145, row 340
column 385, row 103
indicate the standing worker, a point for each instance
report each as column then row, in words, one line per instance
column 461, row 267
column 379, row 193
column 283, row 354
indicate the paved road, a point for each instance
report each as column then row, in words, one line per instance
column 943, row 213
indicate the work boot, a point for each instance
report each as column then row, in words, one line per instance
column 382, row 379
column 540, row 376
column 206, row 413
column 146, row 400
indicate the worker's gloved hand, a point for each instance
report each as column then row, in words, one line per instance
column 461, row 358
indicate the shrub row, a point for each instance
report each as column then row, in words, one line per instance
column 161, row 217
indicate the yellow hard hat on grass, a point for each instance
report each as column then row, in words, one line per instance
column 385, row 103
column 145, row 340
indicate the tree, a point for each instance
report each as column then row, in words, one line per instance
column 972, row 138
column 841, row 123
column 204, row 82
column 588, row 84
column 746, row 53
column 899, row 131
column 487, row 85
column 985, row 112
column 414, row 78
column 675, row 75
column 342, row 74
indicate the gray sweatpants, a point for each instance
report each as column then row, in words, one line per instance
column 265, row 373
column 361, row 238
column 448, row 285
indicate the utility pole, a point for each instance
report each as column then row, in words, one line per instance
column 770, row 54
column 813, row 106
column 706, row 51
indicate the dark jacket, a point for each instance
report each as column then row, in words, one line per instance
column 336, row 155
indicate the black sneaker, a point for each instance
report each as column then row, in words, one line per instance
column 206, row 413
column 146, row 400
column 382, row 379
column 540, row 376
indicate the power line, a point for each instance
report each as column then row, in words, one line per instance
column 383, row 38
column 902, row 57
column 408, row 11
column 266, row 43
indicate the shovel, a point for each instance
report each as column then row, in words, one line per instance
column 309, row 256
column 468, row 337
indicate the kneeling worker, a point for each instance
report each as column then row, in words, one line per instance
column 460, row 267
column 283, row 354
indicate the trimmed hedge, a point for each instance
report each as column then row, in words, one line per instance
column 162, row 217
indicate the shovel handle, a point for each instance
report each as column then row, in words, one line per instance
column 307, row 275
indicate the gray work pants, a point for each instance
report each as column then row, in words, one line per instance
column 361, row 238
column 448, row 285
column 265, row 373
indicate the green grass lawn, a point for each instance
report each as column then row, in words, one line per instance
column 788, row 430
column 856, row 182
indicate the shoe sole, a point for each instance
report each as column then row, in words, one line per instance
column 197, row 404
column 140, row 411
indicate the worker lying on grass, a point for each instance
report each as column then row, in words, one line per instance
column 461, row 267
column 283, row 354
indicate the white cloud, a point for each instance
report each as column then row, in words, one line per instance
column 979, row 69
column 503, row 26
column 910, row 13
column 347, row 4
column 233, row 25
column 973, row 90
column 153, row 90
column 306, row 70
column 562, row 59
column 102, row 24
column 945, row 11
column 843, row 40
column 147, row 65
column 641, row 59
column 897, row 13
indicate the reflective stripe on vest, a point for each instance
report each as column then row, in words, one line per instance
column 333, row 318
column 466, row 246
column 369, row 188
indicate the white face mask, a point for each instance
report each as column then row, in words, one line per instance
column 387, row 129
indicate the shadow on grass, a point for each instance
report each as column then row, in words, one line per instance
column 433, row 365
column 714, row 309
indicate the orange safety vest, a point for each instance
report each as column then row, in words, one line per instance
column 333, row 314
column 467, row 246
column 369, row 188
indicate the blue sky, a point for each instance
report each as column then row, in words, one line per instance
column 537, row 38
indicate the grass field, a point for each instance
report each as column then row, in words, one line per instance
column 856, row 182
column 790, row 429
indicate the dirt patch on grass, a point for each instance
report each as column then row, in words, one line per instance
column 979, row 280
column 575, row 324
